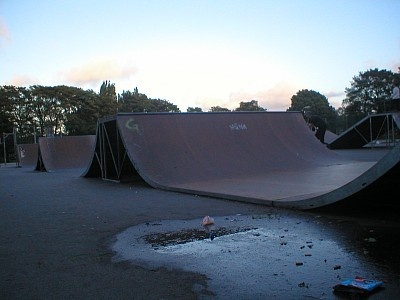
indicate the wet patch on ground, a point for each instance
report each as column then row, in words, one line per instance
column 265, row 256
column 187, row 236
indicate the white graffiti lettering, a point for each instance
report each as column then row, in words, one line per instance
column 237, row 126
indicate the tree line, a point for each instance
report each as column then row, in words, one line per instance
column 66, row 110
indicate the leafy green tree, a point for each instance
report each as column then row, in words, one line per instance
column 137, row 102
column 132, row 101
column 82, row 112
column 218, row 109
column 41, row 108
column 6, row 108
column 160, row 105
column 194, row 109
column 59, row 98
column 52, row 106
column 65, row 110
column 249, row 106
column 12, row 113
column 107, row 102
column 369, row 92
column 22, row 113
column 318, row 105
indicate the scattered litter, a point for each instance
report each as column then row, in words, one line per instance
column 303, row 284
column 207, row 220
column 212, row 236
column 357, row 285
column 370, row 240
column 208, row 224
column 299, row 263
column 337, row 267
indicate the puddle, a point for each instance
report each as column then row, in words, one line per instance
column 255, row 257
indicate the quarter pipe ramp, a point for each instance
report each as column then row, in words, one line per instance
column 27, row 154
column 67, row 152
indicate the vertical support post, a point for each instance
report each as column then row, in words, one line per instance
column 15, row 146
column 4, row 149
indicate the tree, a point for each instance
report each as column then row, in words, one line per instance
column 368, row 92
column 132, row 101
column 15, row 108
column 108, row 104
column 24, row 117
column 218, row 109
column 318, row 105
column 249, row 106
column 161, row 105
column 137, row 102
column 82, row 113
column 194, row 109
column 6, row 119
column 54, row 108
column 41, row 107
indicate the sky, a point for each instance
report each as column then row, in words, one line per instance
column 200, row 53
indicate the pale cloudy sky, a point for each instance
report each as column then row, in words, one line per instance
column 199, row 53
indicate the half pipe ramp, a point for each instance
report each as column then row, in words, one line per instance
column 269, row 158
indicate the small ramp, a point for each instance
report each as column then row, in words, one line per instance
column 66, row 152
column 368, row 131
column 329, row 136
column 27, row 154
column 269, row 158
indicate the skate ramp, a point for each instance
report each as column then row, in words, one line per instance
column 27, row 154
column 269, row 158
column 329, row 136
column 66, row 152
column 369, row 131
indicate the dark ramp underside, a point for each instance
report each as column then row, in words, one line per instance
column 370, row 130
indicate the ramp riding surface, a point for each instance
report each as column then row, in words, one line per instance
column 67, row 152
column 269, row 158
column 27, row 154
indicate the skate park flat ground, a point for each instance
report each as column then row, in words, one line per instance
column 68, row 237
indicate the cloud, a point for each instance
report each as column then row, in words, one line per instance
column 395, row 67
column 276, row 98
column 333, row 94
column 23, row 80
column 95, row 72
column 4, row 32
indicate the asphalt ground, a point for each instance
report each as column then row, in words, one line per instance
column 68, row 237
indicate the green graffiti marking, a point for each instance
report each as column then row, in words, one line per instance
column 131, row 125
